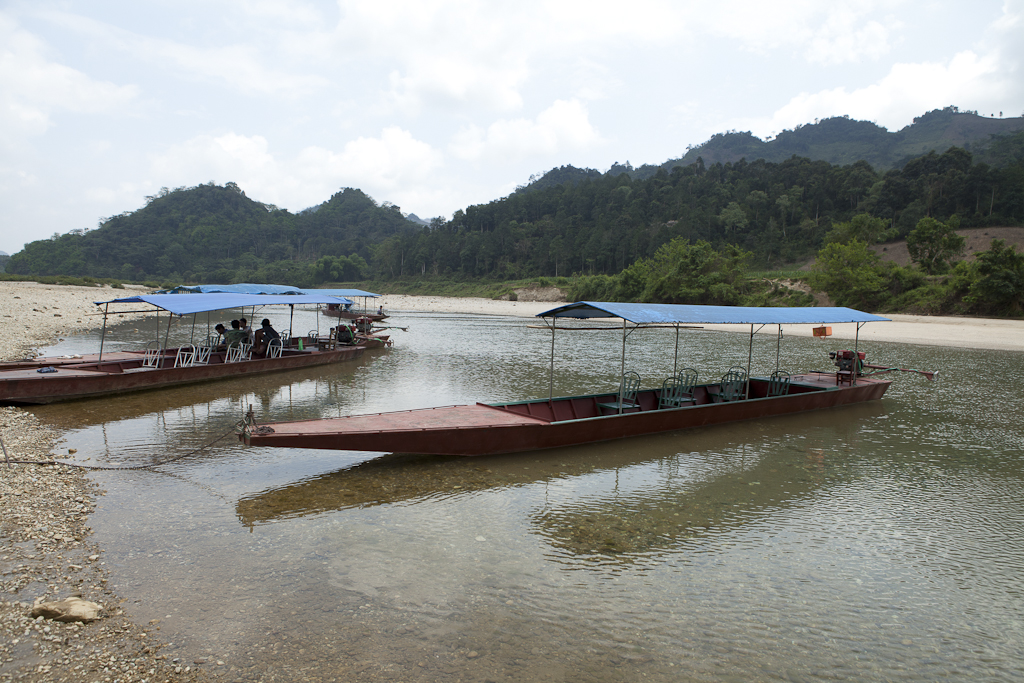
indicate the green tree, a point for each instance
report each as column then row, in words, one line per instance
column 733, row 218
column 999, row 288
column 851, row 274
column 863, row 227
column 934, row 245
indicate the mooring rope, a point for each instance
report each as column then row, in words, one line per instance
column 133, row 467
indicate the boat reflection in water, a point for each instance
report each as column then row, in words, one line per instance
column 602, row 502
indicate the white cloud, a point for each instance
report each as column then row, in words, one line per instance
column 385, row 167
column 845, row 31
column 242, row 66
column 564, row 126
column 967, row 80
column 385, row 164
column 33, row 86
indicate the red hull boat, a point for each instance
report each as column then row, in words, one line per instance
column 49, row 380
column 125, row 371
column 680, row 403
column 489, row 429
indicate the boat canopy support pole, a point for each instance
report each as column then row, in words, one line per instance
column 167, row 335
column 856, row 356
column 192, row 337
column 103, row 334
column 622, row 366
column 778, row 348
column 551, row 370
column 750, row 358
column 675, row 360
column 291, row 316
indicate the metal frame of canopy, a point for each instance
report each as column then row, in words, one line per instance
column 183, row 304
column 690, row 314
column 343, row 296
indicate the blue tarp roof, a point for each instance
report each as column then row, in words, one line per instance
column 248, row 288
column 709, row 315
column 183, row 304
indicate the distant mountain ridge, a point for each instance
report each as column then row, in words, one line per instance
column 574, row 219
column 842, row 141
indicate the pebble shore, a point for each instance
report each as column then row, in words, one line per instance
column 45, row 550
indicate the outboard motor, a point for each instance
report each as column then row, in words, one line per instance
column 848, row 361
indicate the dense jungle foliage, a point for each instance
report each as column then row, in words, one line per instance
column 716, row 219
column 938, row 281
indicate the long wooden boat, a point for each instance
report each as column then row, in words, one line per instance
column 486, row 429
column 338, row 311
column 49, row 380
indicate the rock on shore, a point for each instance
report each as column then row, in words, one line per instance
column 45, row 551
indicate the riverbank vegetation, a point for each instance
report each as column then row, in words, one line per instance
column 693, row 232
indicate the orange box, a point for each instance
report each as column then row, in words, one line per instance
column 822, row 331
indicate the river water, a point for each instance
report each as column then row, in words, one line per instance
column 874, row 542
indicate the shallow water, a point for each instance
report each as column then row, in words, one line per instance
column 875, row 542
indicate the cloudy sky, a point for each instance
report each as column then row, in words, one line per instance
column 437, row 104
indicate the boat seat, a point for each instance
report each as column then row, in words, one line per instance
column 274, row 348
column 628, row 388
column 778, row 383
column 675, row 393
column 844, row 377
column 153, row 356
column 202, row 355
column 185, row 356
column 733, row 386
column 238, row 352
column 688, row 378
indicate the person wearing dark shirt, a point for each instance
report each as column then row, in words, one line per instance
column 264, row 336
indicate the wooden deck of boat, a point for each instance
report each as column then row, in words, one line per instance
column 447, row 417
column 109, row 356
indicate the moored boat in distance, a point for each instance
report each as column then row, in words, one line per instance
column 55, row 379
column 675, row 403
column 339, row 311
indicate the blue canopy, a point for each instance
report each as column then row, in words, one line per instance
column 183, row 304
column 709, row 315
column 248, row 288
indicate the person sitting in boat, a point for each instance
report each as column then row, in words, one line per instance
column 222, row 331
column 264, row 336
column 380, row 310
column 244, row 324
column 235, row 335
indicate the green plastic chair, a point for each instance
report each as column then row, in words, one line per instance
column 733, row 386
column 688, row 378
column 628, row 388
column 673, row 394
column 778, row 383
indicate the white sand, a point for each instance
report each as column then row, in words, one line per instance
column 978, row 333
column 34, row 315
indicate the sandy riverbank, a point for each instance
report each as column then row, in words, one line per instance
column 975, row 333
column 34, row 315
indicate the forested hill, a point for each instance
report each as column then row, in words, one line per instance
column 567, row 221
column 843, row 141
column 213, row 233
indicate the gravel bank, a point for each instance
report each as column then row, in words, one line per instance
column 45, row 552
column 34, row 315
